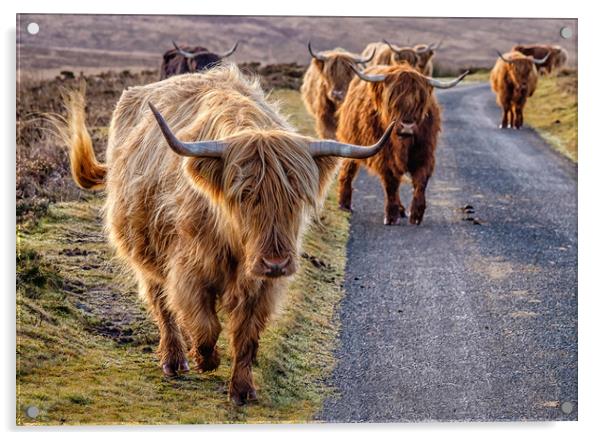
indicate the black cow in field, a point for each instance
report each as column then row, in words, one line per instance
column 190, row 59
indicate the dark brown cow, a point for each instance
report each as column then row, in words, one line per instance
column 557, row 56
column 393, row 93
column 210, row 214
column 388, row 54
column 190, row 59
column 514, row 79
column 425, row 54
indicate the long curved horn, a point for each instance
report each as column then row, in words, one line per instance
column 448, row 84
column 230, row 52
column 365, row 60
column 390, row 46
column 499, row 54
column 182, row 52
column 366, row 77
column 316, row 56
column 189, row 149
column 334, row 148
column 542, row 60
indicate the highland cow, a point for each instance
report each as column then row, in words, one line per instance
column 402, row 94
column 325, row 85
column 425, row 54
column 514, row 79
column 207, row 195
column 190, row 60
column 387, row 54
column 557, row 56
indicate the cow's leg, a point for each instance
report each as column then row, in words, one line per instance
column 195, row 305
column 248, row 315
column 420, row 179
column 347, row 174
column 506, row 105
column 171, row 349
column 394, row 210
column 204, row 332
column 505, row 112
column 518, row 119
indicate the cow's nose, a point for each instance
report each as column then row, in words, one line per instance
column 276, row 266
column 406, row 128
column 338, row 94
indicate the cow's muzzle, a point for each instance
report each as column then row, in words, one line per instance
column 337, row 95
column 276, row 266
column 406, row 129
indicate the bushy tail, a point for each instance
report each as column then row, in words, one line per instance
column 87, row 172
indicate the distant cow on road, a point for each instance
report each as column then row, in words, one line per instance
column 514, row 79
column 190, row 59
column 557, row 56
column 392, row 93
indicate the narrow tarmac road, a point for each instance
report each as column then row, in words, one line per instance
column 454, row 320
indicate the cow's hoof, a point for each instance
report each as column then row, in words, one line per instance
column 392, row 221
column 243, row 397
column 184, row 367
column 208, row 363
column 415, row 219
column 345, row 207
column 502, row 126
column 171, row 369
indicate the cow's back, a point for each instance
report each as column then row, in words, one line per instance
column 382, row 54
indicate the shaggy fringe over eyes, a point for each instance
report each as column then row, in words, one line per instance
column 408, row 95
column 270, row 167
column 521, row 67
column 338, row 67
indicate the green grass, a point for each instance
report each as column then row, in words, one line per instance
column 85, row 346
column 552, row 111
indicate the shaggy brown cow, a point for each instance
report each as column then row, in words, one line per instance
column 214, row 218
column 425, row 54
column 403, row 94
column 388, row 55
column 557, row 58
column 513, row 79
column 190, row 59
column 325, row 85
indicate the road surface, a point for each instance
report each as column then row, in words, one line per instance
column 471, row 315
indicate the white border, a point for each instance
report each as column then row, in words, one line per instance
column 590, row 198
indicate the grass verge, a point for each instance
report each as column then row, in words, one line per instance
column 85, row 346
column 552, row 111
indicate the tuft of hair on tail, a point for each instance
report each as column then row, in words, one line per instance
column 86, row 170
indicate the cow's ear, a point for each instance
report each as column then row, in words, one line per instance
column 327, row 166
column 206, row 175
column 319, row 64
